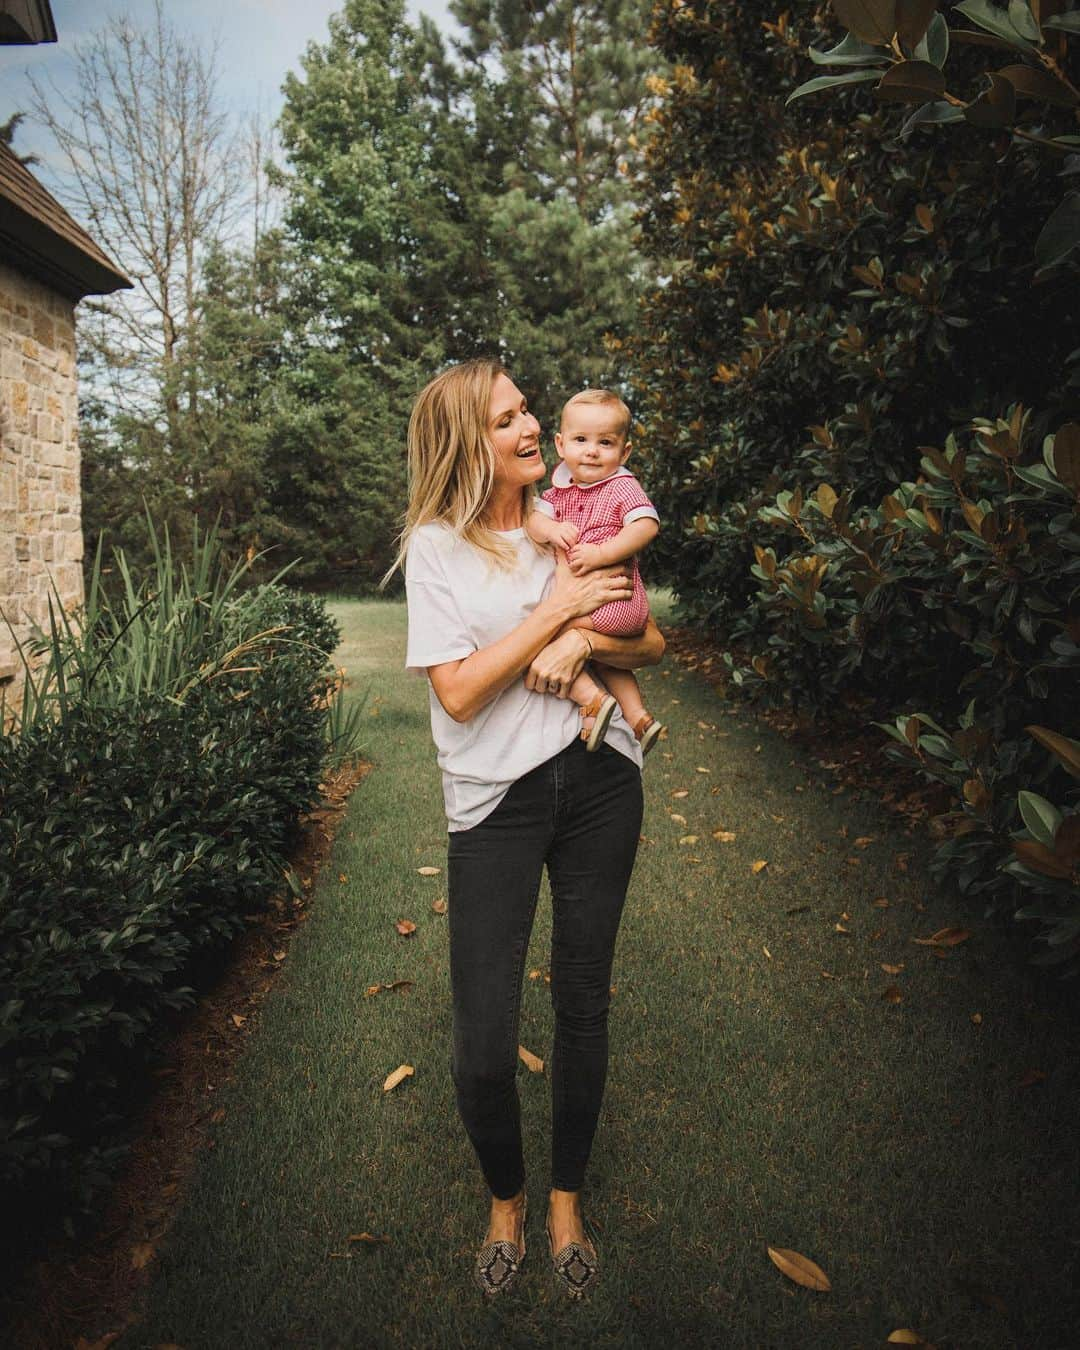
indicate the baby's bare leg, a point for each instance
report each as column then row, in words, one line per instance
column 627, row 691
column 584, row 688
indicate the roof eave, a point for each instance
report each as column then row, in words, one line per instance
column 28, row 244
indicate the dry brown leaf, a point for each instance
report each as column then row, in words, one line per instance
column 402, row 1072
column 367, row 1237
column 724, row 836
column 799, row 1268
column 216, row 1117
column 380, row 988
column 977, row 1019
column 372, row 989
column 342, row 878
column 767, row 952
column 532, row 1062
column 534, row 974
column 439, row 906
column 679, row 793
column 701, row 769
column 893, row 994
column 679, row 820
column 892, row 970
column 280, row 956
column 839, row 928
column 944, row 937
column 758, row 866
column 405, row 927
column 881, row 903
column 828, row 975
column 688, row 839
column 238, row 1019
column 429, row 871
column 905, row 1336
column 141, row 1253
column 864, row 840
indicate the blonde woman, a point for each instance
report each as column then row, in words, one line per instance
column 488, row 615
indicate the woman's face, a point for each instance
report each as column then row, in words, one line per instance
column 515, row 434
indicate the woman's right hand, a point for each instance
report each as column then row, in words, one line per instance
column 585, row 593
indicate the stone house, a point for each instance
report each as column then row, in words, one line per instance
column 47, row 264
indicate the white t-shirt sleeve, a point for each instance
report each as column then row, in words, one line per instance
column 437, row 630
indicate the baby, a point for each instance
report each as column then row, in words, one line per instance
column 596, row 511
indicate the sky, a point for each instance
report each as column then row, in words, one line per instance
column 256, row 41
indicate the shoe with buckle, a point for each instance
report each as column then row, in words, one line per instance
column 600, row 710
column 498, row 1263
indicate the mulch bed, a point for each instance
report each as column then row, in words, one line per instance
column 84, row 1294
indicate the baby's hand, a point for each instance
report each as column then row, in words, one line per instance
column 565, row 535
column 584, row 558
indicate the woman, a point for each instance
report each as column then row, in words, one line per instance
column 487, row 610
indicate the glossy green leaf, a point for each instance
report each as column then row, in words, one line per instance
column 1041, row 817
column 831, row 81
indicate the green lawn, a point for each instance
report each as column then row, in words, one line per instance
column 762, row 1090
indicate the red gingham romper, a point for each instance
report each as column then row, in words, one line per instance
column 600, row 510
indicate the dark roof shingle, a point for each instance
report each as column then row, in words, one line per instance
column 38, row 236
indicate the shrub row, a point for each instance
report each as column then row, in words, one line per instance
column 135, row 835
column 963, row 590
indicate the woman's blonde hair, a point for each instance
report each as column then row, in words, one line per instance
column 451, row 461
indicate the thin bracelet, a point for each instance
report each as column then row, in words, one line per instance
column 588, row 642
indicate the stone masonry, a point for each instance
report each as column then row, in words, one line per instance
column 41, row 541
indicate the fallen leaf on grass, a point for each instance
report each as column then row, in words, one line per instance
column 438, row 906
column 141, row 1253
column 799, row 1268
column 402, row 1072
column 429, row 871
column 701, row 769
column 679, row 793
column 864, row 841
column 534, row 974
column 216, row 1117
column 279, row 956
column 893, row 994
column 405, row 927
column 380, row 988
column 905, row 1336
column 944, row 937
column 767, row 952
column 828, row 975
column 238, row 1019
column 758, row 866
column 977, row 1019
column 839, row 928
column 532, row 1062
column 724, row 836
column 688, row 839
column 892, row 970
column 880, row 903
column 370, row 1238
column 342, row 878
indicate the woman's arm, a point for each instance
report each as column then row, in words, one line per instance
column 464, row 687
column 631, row 539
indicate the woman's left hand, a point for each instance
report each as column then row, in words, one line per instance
column 556, row 668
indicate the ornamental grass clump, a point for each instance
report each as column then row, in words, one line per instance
column 170, row 739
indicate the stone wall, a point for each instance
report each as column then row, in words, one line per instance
column 41, row 540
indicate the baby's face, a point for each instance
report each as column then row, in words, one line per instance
column 590, row 442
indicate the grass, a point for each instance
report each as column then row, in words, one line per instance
column 752, row 1100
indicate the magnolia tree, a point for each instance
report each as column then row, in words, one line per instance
column 904, row 46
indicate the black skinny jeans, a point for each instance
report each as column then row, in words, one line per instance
column 581, row 815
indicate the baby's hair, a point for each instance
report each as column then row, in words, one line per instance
column 602, row 396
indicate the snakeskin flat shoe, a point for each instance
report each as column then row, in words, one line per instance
column 497, row 1263
column 575, row 1269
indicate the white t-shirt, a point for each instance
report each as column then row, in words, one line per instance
column 458, row 602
